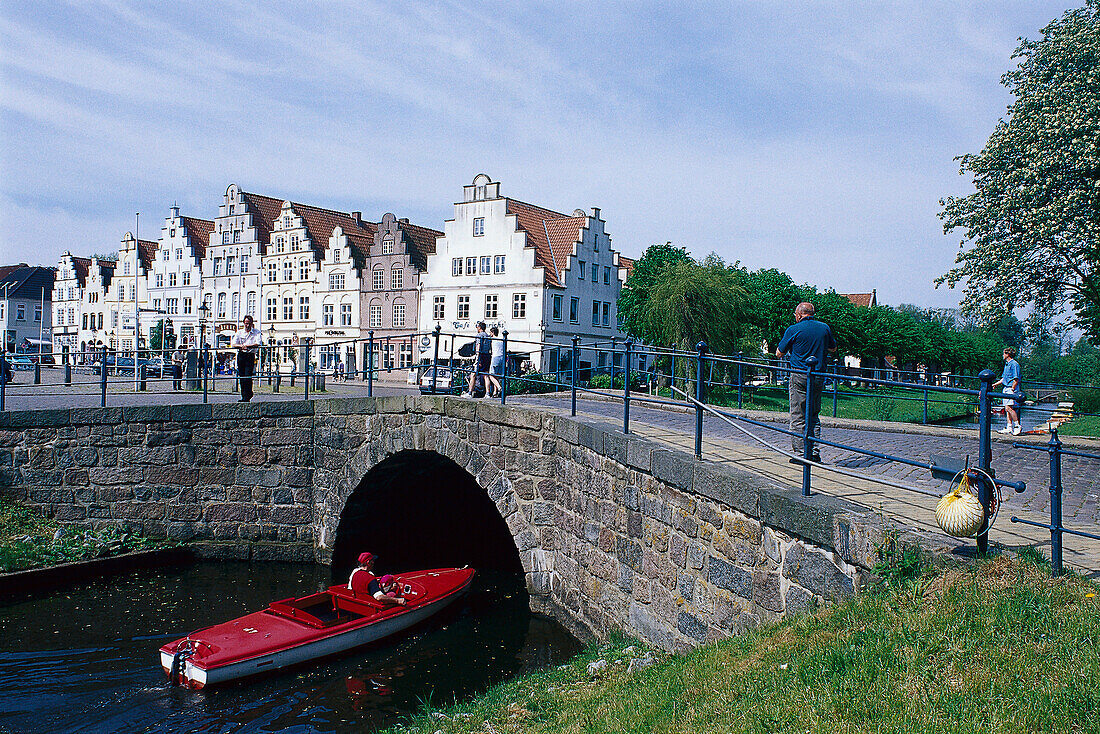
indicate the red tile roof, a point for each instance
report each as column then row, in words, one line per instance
column 864, row 300
column 627, row 263
column 421, row 242
column 147, row 250
column 81, row 265
column 320, row 223
column 551, row 233
column 265, row 211
column 198, row 234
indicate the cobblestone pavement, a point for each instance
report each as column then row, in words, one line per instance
column 1080, row 477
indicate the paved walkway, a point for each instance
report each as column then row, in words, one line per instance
column 725, row 444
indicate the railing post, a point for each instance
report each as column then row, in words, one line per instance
column 573, row 410
column 435, row 359
column 370, row 363
column 1055, row 449
column 278, row 382
column 205, row 373
column 699, row 397
column 143, row 380
column 103, row 379
column 626, row 384
column 306, row 382
column 68, row 374
column 37, row 373
column 808, row 429
column 3, row 381
column 672, row 376
column 925, row 420
column 985, row 452
column 504, row 376
column 740, row 379
column 836, row 384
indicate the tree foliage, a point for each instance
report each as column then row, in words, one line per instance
column 693, row 303
column 647, row 272
column 1033, row 221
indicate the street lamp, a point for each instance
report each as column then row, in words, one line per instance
column 204, row 314
column 271, row 349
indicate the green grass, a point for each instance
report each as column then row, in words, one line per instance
column 880, row 405
column 28, row 540
column 1001, row 648
column 1085, row 426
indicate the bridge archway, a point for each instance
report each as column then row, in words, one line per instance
column 420, row 509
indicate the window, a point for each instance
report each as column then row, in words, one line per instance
column 244, row 263
column 236, row 235
column 288, row 270
column 173, row 306
column 70, row 293
column 185, row 278
column 232, row 208
column 345, row 315
column 303, row 270
column 251, row 303
column 387, row 245
column 595, row 244
column 595, row 313
column 126, row 268
column 179, row 253
column 479, row 226
column 288, row 308
column 294, row 243
column 606, row 313
column 486, row 264
column 439, row 305
column 159, row 279
column 231, row 265
column 471, row 266
column 186, row 306
column 172, row 232
column 280, row 245
column 463, row 307
column 376, row 315
column 397, row 279
column 37, row 312
column 557, row 306
column 303, row 308
column 336, row 254
column 217, row 266
column 582, row 269
column 272, row 309
column 405, row 355
column 171, row 280
column 336, row 281
column 491, row 306
column 225, row 237
column 272, row 272
column 286, row 222
column 456, row 266
column 379, row 279
column 607, row 276
column 398, row 314
column 84, row 322
column 498, row 264
column 221, row 305
column 236, row 306
column 574, row 310
column 519, row 306
column 327, row 315
column 595, row 272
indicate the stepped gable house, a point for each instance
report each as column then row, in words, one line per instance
column 128, row 285
column 175, row 280
column 542, row 275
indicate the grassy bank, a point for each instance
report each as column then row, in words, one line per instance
column 28, row 540
column 1000, row 648
column 1084, row 426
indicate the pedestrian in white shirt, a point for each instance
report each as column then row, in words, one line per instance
column 247, row 343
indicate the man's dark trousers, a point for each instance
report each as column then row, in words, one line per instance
column 796, row 390
column 246, row 368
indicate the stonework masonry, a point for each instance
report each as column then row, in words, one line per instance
column 614, row 532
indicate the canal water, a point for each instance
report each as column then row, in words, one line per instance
column 85, row 659
column 1031, row 418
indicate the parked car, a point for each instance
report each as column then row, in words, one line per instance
column 21, row 362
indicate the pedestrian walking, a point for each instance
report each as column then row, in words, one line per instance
column 1010, row 382
column 496, row 364
column 247, row 342
column 806, row 338
column 482, row 356
column 178, row 358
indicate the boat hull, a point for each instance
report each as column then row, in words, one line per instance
column 197, row 674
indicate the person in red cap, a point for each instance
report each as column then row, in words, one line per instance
column 386, row 590
column 362, row 576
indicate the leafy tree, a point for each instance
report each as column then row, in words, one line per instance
column 692, row 303
column 774, row 296
column 648, row 271
column 1010, row 330
column 1034, row 219
column 162, row 338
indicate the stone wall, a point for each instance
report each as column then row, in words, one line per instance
column 614, row 532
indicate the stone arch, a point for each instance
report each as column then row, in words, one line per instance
column 383, row 440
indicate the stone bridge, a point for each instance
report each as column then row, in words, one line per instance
column 612, row 532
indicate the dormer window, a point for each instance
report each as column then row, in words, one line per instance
column 336, row 255
column 387, row 245
column 479, row 224
column 232, row 209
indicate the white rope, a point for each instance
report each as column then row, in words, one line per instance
column 803, row 460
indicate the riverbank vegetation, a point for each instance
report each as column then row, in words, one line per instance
column 28, row 540
column 1000, row 647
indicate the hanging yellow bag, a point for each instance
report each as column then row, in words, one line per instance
column 959, row 513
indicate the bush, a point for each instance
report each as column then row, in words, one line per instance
column 532, row 383
column 1086, row 400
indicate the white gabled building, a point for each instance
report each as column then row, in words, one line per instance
column 174, row 284
column 542, row 275
column 135, row 258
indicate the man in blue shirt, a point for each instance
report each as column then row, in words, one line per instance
column 1010, row 382
column 807, row 337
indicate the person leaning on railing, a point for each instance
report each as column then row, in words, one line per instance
column 806, row 338
column 247, row 342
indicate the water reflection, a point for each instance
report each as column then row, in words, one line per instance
column 86, row 659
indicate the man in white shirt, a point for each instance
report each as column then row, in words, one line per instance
column 247, row 343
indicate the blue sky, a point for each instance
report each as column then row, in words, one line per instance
column 814, row 137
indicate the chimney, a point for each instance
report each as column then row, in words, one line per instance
column 404, row 220
column 358, row 217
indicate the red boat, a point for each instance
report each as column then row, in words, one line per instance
column 292, row 631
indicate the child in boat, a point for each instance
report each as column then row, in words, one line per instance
column 362, row 576
column 386, row 590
